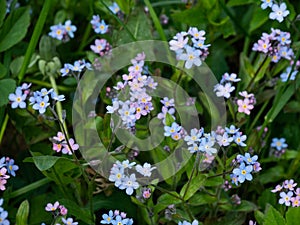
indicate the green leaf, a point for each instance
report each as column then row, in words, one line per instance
column 272, row 175
column 201, row 199
column 189, row 189
column 47, row 48
column 22, row 214
column 165, row 200
column 258, row 19
column 14, row 28
column 292, row 216
column 259, row 217
column 3, row 71
column 7, row 86
column 273, row 217
column 140, row 27
column 45, row 162
column 2, row 11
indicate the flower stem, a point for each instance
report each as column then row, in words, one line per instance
column 156, row 21
column 59, row 106
column 35, row 38
column 3, row 127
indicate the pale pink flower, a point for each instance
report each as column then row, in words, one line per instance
column 244, row 106
column 52, row 207
column 73, row 145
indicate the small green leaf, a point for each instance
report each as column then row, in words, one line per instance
column 14, row 28
column 273, row 217
column 7, row 86
column 22, row 214
column 201, row 199
column 189, row 189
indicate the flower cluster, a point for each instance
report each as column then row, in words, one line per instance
column 63, row 32
column 40, row 99
column 195, row 222
column 61, row 211
column 76, row 68
column 123, row 177
column 173, row 131
column 230, row 135
column 225, row 87
column 99, row 27
column 3, row 214
column 18, row 98
column 278, row 11
column 278, row 146
column 101, row 47
column 190, row 47
column 140, row 102
column 7, row 168
column 289, row 193
column 60, row 144
column 246, row 104
column 276, row 44
column 246, row 165
column 200, row 141
column 116, row 218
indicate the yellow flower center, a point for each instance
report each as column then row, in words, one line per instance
column 244, row 172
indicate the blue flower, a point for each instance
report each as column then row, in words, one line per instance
column 101, row 28
column 266, row 3
column 243, row 173
column 239, row 140
column 70, row 28
column 195, row 136
column 11, row 168
column 77, row 67
column 57, row 31
column 285, row 76
column 192, row 57
column 3, row 216
column 119, row 221
column 56, row 97
column 2, row 163
column 41, row 104
column 66, row 69
column 69, row 221
column 107, row 218
column 279, row 143
column 18, row 99
column 169, row 131
column 129, row 183
column 248, row 159
column 232, row 129
column 114, row 8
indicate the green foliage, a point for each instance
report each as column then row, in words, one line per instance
column 22, row 214
column 7, row 86
column 273, row 217
column 14, row 28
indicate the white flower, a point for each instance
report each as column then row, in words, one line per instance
column 192, row 56
column 145, row 170
column 279, row 12
column 224, row 90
